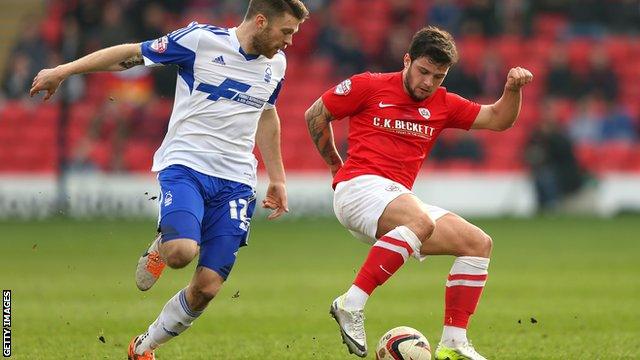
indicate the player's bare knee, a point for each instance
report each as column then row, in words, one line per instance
column 423, row 227
column 180, row 256
column 487, row 243
column 480, row 245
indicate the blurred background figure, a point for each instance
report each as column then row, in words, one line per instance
column 561, row 78
column 585, row 127
column 552, row 162
column 458, row 148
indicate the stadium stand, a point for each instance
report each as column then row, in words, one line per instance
column 29, row 129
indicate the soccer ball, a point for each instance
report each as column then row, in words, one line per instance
column 403, row 343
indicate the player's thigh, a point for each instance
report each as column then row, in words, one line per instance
column 181, row 209
column 406, row 210
column 454, row 235
column 181, row 204
column 360, row 202
column 226, row 226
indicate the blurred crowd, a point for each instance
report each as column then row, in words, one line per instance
column 582, row 52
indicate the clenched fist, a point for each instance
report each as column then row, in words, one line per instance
column 517, row 78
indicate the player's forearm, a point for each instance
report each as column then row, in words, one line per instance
column 319, row 125
column 268, row 140
column 507, row 108
column 115, row 58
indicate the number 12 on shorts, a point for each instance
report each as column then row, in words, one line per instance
column 239, row 214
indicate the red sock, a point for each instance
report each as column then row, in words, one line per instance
column 464, row 287
column 386, row 256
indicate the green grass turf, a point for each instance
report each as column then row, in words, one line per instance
column 72, row 282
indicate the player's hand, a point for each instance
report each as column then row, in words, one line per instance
column 517, row 78
column 47, row 80
column 276, row 200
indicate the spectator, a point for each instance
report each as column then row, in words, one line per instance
column 88, row 14
column 401, row 12
column 463, row 81
column 480, row 15
column 458, row 145
column 561, row 80
column 552, row 162
column 32, row 45
column 341, row 44
column 18, row 76
column 445, row 14
column 600, row 79
column 72, row 45
column 396, row 45
column 618, row 124
column 152, row 26
column 153, row 20
column 586, row 124
column 114, row 29
column 492, row 73
column 587, row 17
column 514, row 16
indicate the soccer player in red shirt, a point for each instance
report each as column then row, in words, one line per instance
column 395, row 119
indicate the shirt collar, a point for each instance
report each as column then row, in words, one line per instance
column 236, row 44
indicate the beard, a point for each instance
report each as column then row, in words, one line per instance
column 412, row 93
column 262, row 44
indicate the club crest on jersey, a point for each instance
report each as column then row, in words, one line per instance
column 267, row 74
column 168, row 198
column 160, row 45
column 425, row 113
column 343, row 88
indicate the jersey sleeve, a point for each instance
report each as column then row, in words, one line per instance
column 177, row 48
column 348, row 97
column 271, row 103
column 461, row 112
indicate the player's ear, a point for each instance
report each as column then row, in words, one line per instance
column 407, row 61
column 261, row 21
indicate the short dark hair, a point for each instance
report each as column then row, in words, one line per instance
column 434, row 43
column 275, row 8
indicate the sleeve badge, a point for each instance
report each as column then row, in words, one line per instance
column 343, row 88
column 160, row 45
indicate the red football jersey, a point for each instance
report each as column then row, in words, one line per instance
column 390, row 134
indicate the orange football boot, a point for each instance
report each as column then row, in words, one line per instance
column 148, row 355
column 150, row 266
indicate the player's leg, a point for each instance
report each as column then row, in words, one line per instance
column 217, row 257
column 359, row 205
column 181, row 209
column 176, row 316
column 472, row 247
column 225, row 226
column 400, row 231
column 181, row 310
column 181, row 213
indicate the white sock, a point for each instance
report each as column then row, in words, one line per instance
column 175, row 317
column 355, row 298
column 453, row 336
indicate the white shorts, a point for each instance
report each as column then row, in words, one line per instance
column 359, row 202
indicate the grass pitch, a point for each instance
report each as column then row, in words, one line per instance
column 559, row 288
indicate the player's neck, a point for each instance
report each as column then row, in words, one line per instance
column 244, row 34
